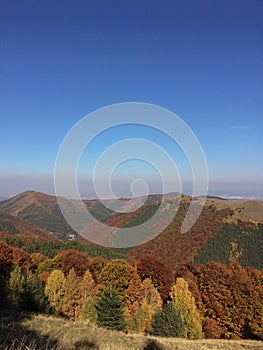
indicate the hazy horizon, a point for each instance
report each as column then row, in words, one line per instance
column 229, row 190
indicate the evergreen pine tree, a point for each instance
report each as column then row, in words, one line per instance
column 110, row 310
column 35, row 298
column 17, row 285
column 167, row 322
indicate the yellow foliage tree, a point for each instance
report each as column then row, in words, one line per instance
column 72, row 305
column 116, row 275
column 185, row 305
column 55, row 289
column 143, row 309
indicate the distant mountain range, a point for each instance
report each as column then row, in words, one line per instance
column 226, row 231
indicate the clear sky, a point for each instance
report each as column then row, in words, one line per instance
column 61, row 60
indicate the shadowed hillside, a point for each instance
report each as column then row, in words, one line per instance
column 48, row 333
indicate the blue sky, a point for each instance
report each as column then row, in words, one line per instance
column 61, row 60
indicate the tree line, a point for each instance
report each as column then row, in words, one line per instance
column 135, row 295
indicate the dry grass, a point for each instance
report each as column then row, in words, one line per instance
column 245, row 209
column 49, row 333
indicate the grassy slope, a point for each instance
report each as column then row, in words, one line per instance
column 245, row 209
column 44, row 333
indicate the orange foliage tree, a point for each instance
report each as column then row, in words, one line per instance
column 232, row 299
column 72, row 303
column 68, row 259
column 160, row 275
column 96, row 265
column 22, row 259
column 6, row 256
column 88, row 287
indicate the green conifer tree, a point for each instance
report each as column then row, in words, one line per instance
column 167, row 322
column 17, row 286
column 110, row 310
column 36, row 300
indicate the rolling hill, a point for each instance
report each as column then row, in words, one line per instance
column 13, row 225
column 43, row 211
column 39, row 209
column 226, row 231
column 244, row 209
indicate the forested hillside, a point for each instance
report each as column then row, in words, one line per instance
column 39, row 209
column 205, row 283
column 219, row 234
column 14, row 225
column 211, row 300
column 242, row 242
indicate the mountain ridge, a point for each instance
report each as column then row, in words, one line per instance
column 170, row 246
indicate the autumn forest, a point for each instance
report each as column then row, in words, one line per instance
column 205, row 284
